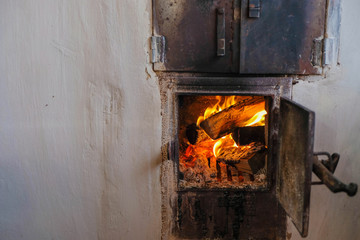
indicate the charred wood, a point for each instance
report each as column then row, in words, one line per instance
column 257, row 161
column 225, row 122
column 195, row 134
column 249, row 159
column 245, row 135
column 237, row 158
column 233, row 155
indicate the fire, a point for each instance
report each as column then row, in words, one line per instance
column 226, row 141
column 258, row 119
column 216, row 147
column 224, row 102
column 207, row 156
column 203, row 148
column 228, row 101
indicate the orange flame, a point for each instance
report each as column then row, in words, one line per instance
column 258, row 119
column 217, row 146
column 226, row 141
column 227, row 102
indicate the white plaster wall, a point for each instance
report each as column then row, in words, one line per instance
column 336, row 102
column 80, row 124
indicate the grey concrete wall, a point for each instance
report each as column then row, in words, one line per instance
column 80, row 129
column 80, row 124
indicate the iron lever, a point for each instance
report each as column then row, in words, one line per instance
column 331, row 162
column 220, row 32
column 325, row 169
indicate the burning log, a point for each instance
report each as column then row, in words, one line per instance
column 233, row 155
column 195, row 134
column 237, row 115
column 236, row 157
column 248, row 159
column 245, row 135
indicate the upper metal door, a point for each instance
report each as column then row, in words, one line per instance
column 200, row 35
column 294, row 170
column 281, row 38
column 240, row 36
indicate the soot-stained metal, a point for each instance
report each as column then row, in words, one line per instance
column 229, row 215
column 257, row 37
column 247, row 48
column 220, row 213
column 191, row 31
column 295, row 162
column 281, row 40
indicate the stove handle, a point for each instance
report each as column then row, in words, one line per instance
column 325, row 169
column 220, row 32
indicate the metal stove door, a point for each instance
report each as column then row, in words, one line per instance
column 200, row 35
column 294, row 170
column 281, row 36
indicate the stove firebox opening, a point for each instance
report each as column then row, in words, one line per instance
column 223, row 141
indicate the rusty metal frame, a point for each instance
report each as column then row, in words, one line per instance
column 171, row 86
column 271, row 88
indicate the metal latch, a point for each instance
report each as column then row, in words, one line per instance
column 157, row 49
column 254, row 8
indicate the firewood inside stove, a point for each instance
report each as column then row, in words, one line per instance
column 226, row 121
column 195, row 134
column 257, row 161
column 245, row 135
column 248, row 159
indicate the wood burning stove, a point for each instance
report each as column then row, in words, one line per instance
column 249, row 185
column 237, row 152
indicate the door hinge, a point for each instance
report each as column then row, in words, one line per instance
column 323, row 52
column 157, row 49
column 329, row 51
